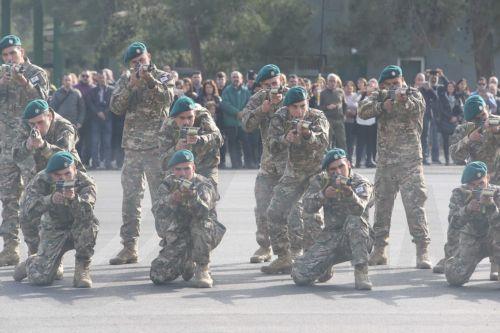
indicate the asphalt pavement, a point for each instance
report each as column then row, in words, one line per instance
column 123, row 299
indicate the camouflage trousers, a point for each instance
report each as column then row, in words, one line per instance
column 303, row 227
column 30, row 226
column 409, row 180
column 138, row 166
column 56, row 238
column 353, row 242
column 471, row 250
column 12, row 178
column 336, row 133
column 184, row 240
column 284, row 210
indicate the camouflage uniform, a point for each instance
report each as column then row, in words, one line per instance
column 478, row 236
column 303, row 161
column 399, row 164
column 188, row 231
column 61, row 136
column 487, row 149
column 13, row 99
column 145, row 109
column 206, row 150
column 347, row 234
column 463, row 149
column 63, row 227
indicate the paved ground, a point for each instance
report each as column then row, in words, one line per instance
column 124, row 300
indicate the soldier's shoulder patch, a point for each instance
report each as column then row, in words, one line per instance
column 165, row 78
column 361, row 190
column 35, row 79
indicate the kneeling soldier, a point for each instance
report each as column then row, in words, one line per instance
column 345, row 198
column 65, row 197
column 190, row 126
column 186, row 222
column 49, row 133
column 475, row 212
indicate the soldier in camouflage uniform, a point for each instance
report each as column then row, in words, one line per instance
column 46, row 133
column 67, row 222
column 303, row 133
column 474, row 140
column 204, row 142
column 186, row 222
column 345, row 198
column 144, row 97
column 399, row 111
column 19, row 83
column 474, row 210
column 257, row 115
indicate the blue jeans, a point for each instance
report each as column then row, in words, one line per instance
column 430, row 128
column 101, row 132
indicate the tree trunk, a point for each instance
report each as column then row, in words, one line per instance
column 482, row 37
column 193, row 35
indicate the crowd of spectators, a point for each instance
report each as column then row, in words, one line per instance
column 85, row 100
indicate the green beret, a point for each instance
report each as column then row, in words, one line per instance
column 35, row 108
column 134, row 50
column 294, row 95
column 332, row 155
column 8, row 41
column 390, row 72
column 180, row 156
column 267, row 72
column 474, row 171
column 473, row 106
column 59, row 161
column 182, row 104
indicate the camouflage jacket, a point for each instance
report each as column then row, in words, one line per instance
column 206, row 151
column 61, row 136
column 253, row 118
column 337, row 209
column 398, row 138
column 200, row 205
column 487, row 149
column 14, row 98
column 145, row 108
column 37, row 200
column 473, row 223
column 303, row 159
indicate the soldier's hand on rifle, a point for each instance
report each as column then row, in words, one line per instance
column 473, row 206
column 305, row 132
column 176, row 197
column 388, row 105
column 192, row 139
column 292, row 136
column 133, row 81
column 19, row 78
column 266, row 106
column 330, row 192
column 475, row 135
column 401, row 97
column 58, row 198
column 276, row 98
column 69, row 193
column 34, row 142
column 145, row 74
column 181, row 144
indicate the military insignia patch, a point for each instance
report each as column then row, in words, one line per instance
column 138, row 51
column 480, row 108
column 34, row 79
column 66, row 164
column 11, row 41
column 360, row 190
column 479, row 174
column 393, row 73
